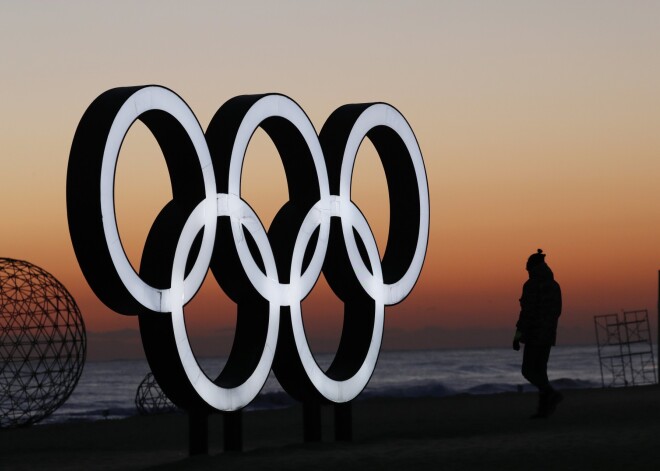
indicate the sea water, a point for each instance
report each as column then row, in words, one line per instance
column 107, row 390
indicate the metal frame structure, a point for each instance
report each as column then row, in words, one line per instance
column 625, row 349
column 42, row 343
column 150, row 398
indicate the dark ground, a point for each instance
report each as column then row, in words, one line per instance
column 592, row 429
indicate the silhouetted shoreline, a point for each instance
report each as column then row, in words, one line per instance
column 597, row 428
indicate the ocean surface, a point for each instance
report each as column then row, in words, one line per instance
column 107, row 390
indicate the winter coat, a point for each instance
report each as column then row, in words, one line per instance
column 540, row 307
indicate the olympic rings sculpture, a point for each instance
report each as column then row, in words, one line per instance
column 266, row 273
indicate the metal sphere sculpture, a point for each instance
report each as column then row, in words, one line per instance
column 150, row 399
column 42, row 343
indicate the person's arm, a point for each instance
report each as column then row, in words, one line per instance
column 516, row 340
column 528, row 310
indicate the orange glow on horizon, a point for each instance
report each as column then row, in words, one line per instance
column 538, row 125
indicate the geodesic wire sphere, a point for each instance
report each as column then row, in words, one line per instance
column 150, row 399
column 42, row 343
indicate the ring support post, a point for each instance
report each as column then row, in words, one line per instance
column 343, row 422
column 311, row 422
column 232, row 430
column 198, row 433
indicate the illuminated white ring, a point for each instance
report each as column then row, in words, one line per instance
column 227, row 399
column 282, row 107
column 385, row 115
column 146, row 99
column 301, row 285
column 266, row 281
column 348, row 389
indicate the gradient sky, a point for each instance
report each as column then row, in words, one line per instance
column 539, row 123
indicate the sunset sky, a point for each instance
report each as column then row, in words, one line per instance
column 539, row 123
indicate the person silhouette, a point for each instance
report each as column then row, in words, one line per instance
column 540, row 308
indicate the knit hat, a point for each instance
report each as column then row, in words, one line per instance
column 535, row 259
